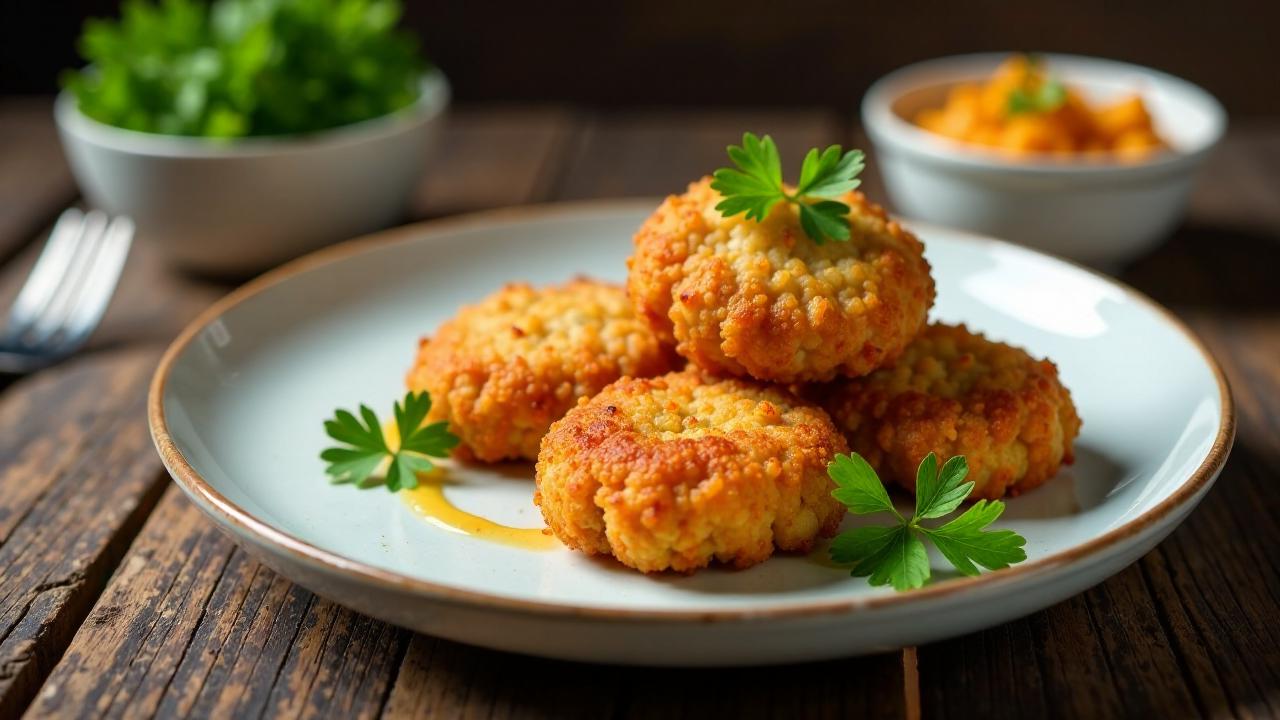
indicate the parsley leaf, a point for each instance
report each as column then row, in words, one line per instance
column 830, row 173
column 367, row 449
column 825, row 219
column 858, row 487
column 895, row 554
column 1048, row 97
column 755, row 187
column 885, row 555
column 939, row 494
column 963, row 541
column 1038, row 91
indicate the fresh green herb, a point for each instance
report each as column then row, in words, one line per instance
column 756, row 186
column 895, row 555
column 246, row 67
column 1047, row 96
column 367, row 450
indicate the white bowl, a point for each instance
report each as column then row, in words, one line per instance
column 238, row 206
column 1099, row 212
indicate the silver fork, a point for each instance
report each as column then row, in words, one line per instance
column 67, row 291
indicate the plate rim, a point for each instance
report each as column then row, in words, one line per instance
column 246, row 527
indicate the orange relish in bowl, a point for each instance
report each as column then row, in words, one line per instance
column 1022, row 109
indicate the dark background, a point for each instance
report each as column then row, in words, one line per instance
column 808, row 52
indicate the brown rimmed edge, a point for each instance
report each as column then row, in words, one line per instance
column 227, row 512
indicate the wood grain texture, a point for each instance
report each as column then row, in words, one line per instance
column 191, row 627
column 78, row 475
column 444, row 679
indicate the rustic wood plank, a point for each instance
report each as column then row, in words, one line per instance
column 35, row 182
column 1217, row 588
column 440, row 678
column 1061, row 663
column 190, row 626
column 78, row 475
column 444, row 679
column 859, row 687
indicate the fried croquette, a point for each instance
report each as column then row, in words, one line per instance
column 761, row 299
column 954, row 392
column 675, row 471
column 502, row 370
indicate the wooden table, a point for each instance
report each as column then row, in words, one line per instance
column 118, row 598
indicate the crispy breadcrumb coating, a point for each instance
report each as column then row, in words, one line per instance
column 954, row 392
column 675, row 471
column 762, row 299
column 502, row 370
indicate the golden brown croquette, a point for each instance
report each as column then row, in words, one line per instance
column 676, row 471
column 761, row 299
column 954, row 392
column 502, row 370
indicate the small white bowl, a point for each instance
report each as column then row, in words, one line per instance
column 1097, row 211
column 239, row 206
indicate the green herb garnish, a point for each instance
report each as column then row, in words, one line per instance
column 895, row 555
column 246, row 67
column 1046, row 97
column 756, row 186
column 368, row 450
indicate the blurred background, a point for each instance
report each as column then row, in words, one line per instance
column 566, row 101
column 722, row 52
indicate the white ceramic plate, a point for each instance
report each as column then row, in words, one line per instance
column 237, row 404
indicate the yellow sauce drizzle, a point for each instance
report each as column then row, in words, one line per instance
column 428, row 501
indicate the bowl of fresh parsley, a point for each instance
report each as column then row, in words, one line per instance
column 241, row 133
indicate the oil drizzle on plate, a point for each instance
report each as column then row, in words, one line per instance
column 429, row 502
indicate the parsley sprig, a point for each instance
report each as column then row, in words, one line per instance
column 1041, row 93
column 234, row 68
column 895, row 554
column 1049, row 96
column 755, row 187
column 367, row 449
